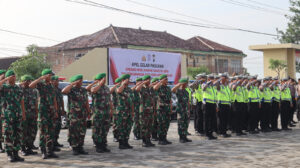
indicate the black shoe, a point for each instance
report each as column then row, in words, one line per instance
column 56, row 144
column 122, row 145
column 10, row 157
column 187, row 140
column 211, row 137
column 166, row 140
column 145, row 144
column 56, row 149
column 189, row 134
column 31, row 152
column 154, row 138
column 24, row 152
column 127, row 144
column 276, row 129
column 44, row 154
column 81, row 151
column 226, row 135
column 161, row 142
column 52, row 155
column 99, row 148
column 292, row 125
column 254, row 132
column 75, row 151
column 105, row 149
column 286, row 129
column 240, row 134
column 17, row 157
column 150, row 143
column 116, row 140
column 294, row 122
column 33, row 147
column 182, row 140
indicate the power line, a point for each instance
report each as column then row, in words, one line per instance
column 187, row 23
column 267, row 5
column 27, row 35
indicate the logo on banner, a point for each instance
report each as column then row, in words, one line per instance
column 149, row 58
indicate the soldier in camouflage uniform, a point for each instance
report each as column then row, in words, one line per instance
column 136, row 102
column 47, row 113
column 2, row 76
column 146, row 112
column 124, row 112
column 60, row 111
column 164, row 109
column 101, row 112
column 182, row 109
column 154, row 94
column 29, row 126
column 79, row 111
column 14, row 113
column 115, row 105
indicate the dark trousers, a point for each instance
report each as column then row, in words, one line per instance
column 253, row 109
column 238, row 110
column 274, row 115
column 209, row 113
column 292, row 109
column 245, row 116
column 284, row 113
column 298, row 108
column 223, row 117
column 230, row 120
column 198, row 121
column 265, row 114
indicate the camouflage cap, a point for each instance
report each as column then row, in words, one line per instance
column 100, row 76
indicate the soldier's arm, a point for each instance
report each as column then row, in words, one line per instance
column 96, row 88
column 35, row 82
column 89, row 87
column 158, row 85
column 113, row 89
column 55, row 106
column 121, row 88
column 4, row 80
column 139, row 87
column 68, row 88
column 174, row 89
column 23, row 110
column 87, row 106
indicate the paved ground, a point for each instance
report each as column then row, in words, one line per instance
column 275, row 149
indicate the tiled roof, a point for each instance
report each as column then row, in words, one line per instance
column 7, row 61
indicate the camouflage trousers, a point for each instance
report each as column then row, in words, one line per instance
column 155, row 124
column 101, row 124
column 163, row 120
column 146, row 122
column 182, row 120
column 46, row 127
column 29, row 131
column 77, row 131
column 114, row 125
column 57, row 128
column 1, row 136
column 12, row 134
column 137, row 126
column 124, row 124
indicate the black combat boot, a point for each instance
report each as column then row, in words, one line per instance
column 24, row 151
column 82, row 151
column 1, row 149
column 121, row 144
column 154, row 137
column 161, row 141
column 10, row 157
column 56, row 144
column 44, row 153
column 17, row 157
column 99, row 148
column 51, row 154
column 149, row 142
column 30, row 151
column 33, row 147
column 127, row 144
column 182, row 139
column 186, row 139
column 75, row 151
column 145, row 143
column 104, row 147
column 166, row 140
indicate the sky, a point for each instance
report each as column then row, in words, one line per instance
column 61, row 20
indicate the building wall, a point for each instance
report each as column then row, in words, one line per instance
column 94, row 62
column 278, row 54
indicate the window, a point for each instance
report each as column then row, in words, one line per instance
column 221, row 65
column 78, row 56
column 236, row 66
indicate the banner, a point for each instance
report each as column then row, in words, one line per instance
column 138, row 63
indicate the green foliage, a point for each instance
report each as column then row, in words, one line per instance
column 193, row 71
column 32, row 64
column 292, row 33
column 278, row 66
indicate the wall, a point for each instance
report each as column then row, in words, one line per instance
column 94, row 62
column 278, row 54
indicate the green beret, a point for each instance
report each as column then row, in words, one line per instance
column 118, row 80
column 46, row 72
column 183, row 80
column 9, row 73
column 154, row 80
column 54, row 77
column 162, row 76
column 100, row 76
column 76, row 78
column 125, row 76
column 2, row 71
column 139, row 79
column 146, row 77
column 26, row 78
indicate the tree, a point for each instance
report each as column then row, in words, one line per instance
column 193, row 71
column 32, row 64
column 292, row 33
column 278, row 66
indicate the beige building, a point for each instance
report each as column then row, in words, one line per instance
column 286, row 52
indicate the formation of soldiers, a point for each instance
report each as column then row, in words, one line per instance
column 239, row 105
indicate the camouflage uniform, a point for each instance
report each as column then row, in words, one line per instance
column 60, row 110
column 124, row 118
column 182, row 111
column 12, row 117
column 164, row 111
column 146, row 113
column 77, row 116
column 46, row 115
column 155, row 109
column 101, row 117
column 137, row 126
column 1, row 117
column 29, row 126
column 115, row 103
